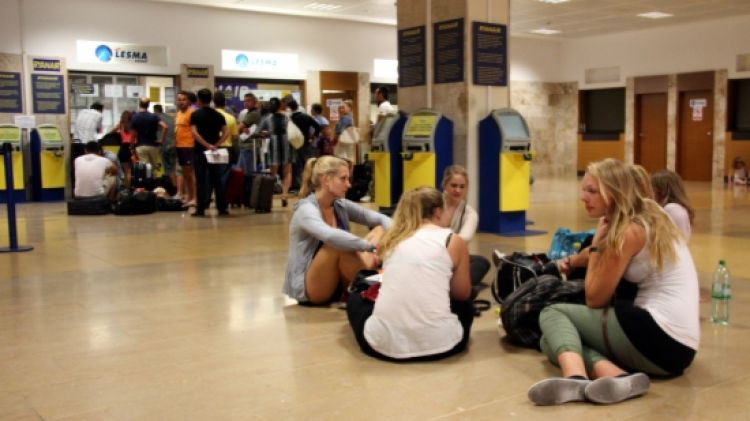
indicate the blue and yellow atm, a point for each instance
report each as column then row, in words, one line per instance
column 12, row 134
column 427, row 148
column 385, row 155
column 504, row 173
column 47, row 163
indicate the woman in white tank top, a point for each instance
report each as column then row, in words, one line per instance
column 423, row 309
column 606, row 352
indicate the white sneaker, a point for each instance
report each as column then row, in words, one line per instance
column 558, row 390
column 497, row 256
column 608, row 390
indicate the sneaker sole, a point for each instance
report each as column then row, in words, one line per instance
column 608, row 390
column 556, row 391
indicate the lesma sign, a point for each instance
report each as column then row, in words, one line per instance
column 103, row 52
column 253, row 61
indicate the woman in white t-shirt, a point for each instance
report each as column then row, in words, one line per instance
column 620, row 345
column 423, row 311
column 669, row 192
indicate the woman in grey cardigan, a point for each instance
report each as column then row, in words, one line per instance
column 324, row 257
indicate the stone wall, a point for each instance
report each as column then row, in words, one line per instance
column 551, row 111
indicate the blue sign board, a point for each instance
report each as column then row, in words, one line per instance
column 48, row 94
column 449, row 51
column 411, row 57
column 490, row 54
column 10, row 92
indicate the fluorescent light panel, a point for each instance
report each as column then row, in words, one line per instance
column 553, row 1
column 655, row 15
column 322, row 6
column 545, row 31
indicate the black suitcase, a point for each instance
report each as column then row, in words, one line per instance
column 98, row 205
column 135, row 203
column 261, row 195
column 142, row 176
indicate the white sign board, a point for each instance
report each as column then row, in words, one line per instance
column 254, row 61
column 104, row 52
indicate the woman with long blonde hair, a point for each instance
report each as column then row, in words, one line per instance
column 324, row 257
column 657, row 334
column 423, row 310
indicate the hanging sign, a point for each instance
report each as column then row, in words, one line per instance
column 254, row 61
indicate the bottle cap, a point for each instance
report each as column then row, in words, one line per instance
column 721, row 262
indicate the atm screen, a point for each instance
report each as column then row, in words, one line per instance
column 513, row 126
column 49, row 134
column 421, row 125
column 10, row 134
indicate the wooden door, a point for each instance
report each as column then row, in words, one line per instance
column 695, row 135
column 329, row 101
column 651, row 131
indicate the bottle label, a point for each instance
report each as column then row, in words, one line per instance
column 721, row 292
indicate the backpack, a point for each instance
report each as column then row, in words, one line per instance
column 520, row 310
column 514, row 270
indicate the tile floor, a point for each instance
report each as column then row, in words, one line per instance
column 164, row 316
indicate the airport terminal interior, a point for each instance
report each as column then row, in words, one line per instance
column 164, row 316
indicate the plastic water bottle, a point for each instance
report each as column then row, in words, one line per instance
column 721, row 293
column 576, row 248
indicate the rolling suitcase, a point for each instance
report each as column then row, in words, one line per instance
column 98, row 205
column 261, row 195
column 235, row 187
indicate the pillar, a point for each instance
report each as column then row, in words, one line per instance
column 464, row 102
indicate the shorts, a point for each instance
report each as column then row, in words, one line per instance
column 125, row 154
column 185, row 156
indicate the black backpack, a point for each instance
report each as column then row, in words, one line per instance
column 514, row 270
column 520, row 310
column 135, row 203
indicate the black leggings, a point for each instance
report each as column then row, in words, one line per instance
column 359, row 310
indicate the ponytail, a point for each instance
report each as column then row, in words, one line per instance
column 306, row 186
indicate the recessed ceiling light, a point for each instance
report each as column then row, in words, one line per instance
column 655, row 15
column 545, row 31
column 323, row 6
column 553, row 1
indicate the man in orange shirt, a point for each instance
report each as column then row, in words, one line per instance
column 184, row 142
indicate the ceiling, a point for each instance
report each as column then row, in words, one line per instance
column 574, row 18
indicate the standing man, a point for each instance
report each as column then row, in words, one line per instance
column 184, row 142
column 168, row 151
column 384, row 106
column 220, row 103
column 311, row 130
column 88, row 127
column 249, row 137
column 209, row 131
column 145, row 127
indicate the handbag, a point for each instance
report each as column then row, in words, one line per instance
column 349, row 136
column 294, row 135
column 566, row 243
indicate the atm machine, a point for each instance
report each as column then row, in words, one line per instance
column 47, row 163
column 427, row 148
column 504, row 172
column 386, row 160
column 12, row 134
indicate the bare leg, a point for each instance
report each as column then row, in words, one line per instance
column 605, row 368
column 286, row 180
column 571, row 364
column 329, row 268
column 126, row 169
column 188, row 175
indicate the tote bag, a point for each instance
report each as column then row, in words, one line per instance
column 294, row 135
column 349, row 136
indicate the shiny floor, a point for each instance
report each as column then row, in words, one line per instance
column 167, row 317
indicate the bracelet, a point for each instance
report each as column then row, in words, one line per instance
column 593, row 249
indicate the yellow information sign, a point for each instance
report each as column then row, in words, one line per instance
column 154, row 94
column 421, row 125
